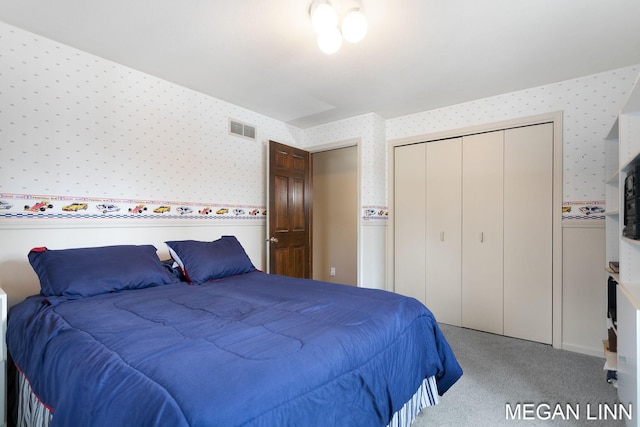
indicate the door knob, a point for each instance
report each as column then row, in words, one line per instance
column 273, row 240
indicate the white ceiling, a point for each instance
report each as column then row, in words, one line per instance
column 418, row 54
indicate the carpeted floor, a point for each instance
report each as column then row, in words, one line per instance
column 540, row 385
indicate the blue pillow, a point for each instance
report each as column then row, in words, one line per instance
column 203, row 261
column 84, row 272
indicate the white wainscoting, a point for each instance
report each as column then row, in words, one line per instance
column 584, row 287
column 18, row 279
column 372, row 256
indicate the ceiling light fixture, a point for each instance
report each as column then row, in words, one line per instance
column 325, row 19
column 354, row 26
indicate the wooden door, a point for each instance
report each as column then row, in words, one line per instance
column 482, row 232
column 289, row 211
column 528, row 222
column 409, row 220
column 443, row 229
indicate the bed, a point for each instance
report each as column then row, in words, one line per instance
column 117, row 338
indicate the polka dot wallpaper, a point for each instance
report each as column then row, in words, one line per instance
column 72, row 124
column 590, row 106
column 76, row 126
column 370, row 130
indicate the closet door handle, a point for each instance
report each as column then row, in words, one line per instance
column 482, row 237
column 442, row 236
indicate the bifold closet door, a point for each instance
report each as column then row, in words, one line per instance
column 409, row 220
column 528, row 259
column 443, row 231
column 482, row 232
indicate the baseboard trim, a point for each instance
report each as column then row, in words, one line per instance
column 597, row 352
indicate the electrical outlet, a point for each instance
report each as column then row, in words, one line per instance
column 332, row 271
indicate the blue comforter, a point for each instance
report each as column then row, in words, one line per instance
column 254, row 350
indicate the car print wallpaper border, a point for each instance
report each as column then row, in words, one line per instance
column 30, row 206
column 589, row 210
column 27, row 206
column 33, row 206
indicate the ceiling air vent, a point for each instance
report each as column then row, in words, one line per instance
column 242, row 129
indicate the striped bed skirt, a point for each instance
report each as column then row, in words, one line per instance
column 31, row 412
column 426, row 395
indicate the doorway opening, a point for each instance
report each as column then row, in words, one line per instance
column 335, row 215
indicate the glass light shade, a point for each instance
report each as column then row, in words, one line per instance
column 330, row 40
column 324, row 16
column 354, row 26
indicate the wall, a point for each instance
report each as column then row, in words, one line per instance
column 18, row 279
column 589, row 104
column 77, row 128
column 74, row 124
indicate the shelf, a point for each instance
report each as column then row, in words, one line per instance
column 629, row 146
column 633, row 242
column 616, row 276
column 611, row 358
column 630, row 163
column 632, row 293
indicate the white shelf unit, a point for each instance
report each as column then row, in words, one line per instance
column 612, row 195
column 624, row 139
column 3, row 357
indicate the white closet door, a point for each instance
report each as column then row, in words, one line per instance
column 482, row 234
column 409, row 222
column 528, row 261
column 443, row 232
